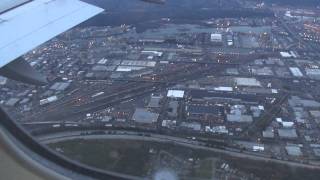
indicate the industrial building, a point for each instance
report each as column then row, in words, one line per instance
column 217, row 129
column 313, row 73
column 285, row 133
column 173, row 109
column 239, row 118
column 295, row 101
column 48, row 100
column 204, row 112
column 12, row 102
column 154, row 101
column 216, row 37
column 247, row 82
column 138, row 63
column 175, row 94
column 293, row 150
column 296, row 71
column 268, row 133
column 60, row 86
column 191, row 125
column 144, row 116
column 223, row 97
column 169, row 123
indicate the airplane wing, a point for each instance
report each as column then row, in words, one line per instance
column 6, row 5
column 25, row 25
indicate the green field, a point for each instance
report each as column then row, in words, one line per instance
column 145, row 158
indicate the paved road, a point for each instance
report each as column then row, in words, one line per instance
column 51, row 138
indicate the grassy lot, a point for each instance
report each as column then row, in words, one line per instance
column 145, row 158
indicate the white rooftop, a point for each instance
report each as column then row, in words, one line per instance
column 247, row 82
column 285, row 54
column 175, row 93
column 216, row 37
column 279, row 120
column 312, row 71
column 295, row 71
column 287, row 124
column 221, row 88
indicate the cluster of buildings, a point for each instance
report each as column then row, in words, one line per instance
column 259, row 66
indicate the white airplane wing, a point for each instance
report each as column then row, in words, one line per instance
column 25, row 25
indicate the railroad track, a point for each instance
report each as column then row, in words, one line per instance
column 264, row 121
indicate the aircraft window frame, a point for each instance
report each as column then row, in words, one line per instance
column 26, row 139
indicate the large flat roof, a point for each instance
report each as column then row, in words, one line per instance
column 287, row 133
column 247, row 82
column 175, row 93
column 142, row 115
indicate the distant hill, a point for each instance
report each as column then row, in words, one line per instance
column 139, row 13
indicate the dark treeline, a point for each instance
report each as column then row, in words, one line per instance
column 311, row 3
column 135, row 12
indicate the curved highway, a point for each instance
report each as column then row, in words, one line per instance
column 129, row 135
